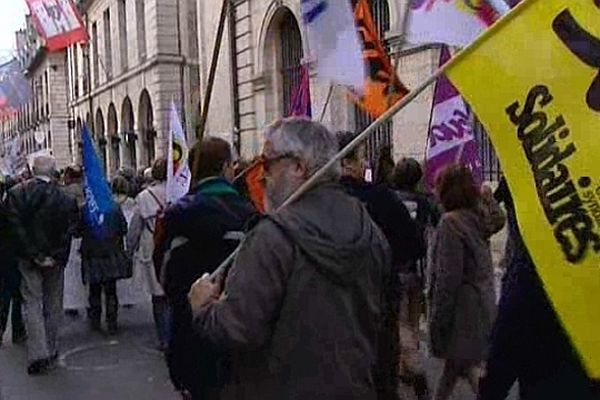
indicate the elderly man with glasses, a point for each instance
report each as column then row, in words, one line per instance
column 301, row 308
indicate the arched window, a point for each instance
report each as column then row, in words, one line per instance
column 146, row 128
column 382, row 137
column 291, row 59
column 115, row 140
column 128, row 133
column 101, row 137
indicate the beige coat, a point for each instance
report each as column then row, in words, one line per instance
column 462, row 302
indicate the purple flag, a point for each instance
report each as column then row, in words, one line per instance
column 301, row 104
column 450, row 139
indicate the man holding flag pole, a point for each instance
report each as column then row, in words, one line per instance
column 568, row 235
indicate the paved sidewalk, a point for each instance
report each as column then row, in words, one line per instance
column 92, row 366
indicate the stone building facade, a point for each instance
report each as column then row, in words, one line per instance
column 267, row 45
column 42, row 123
column 263, row 51
column 141, row 56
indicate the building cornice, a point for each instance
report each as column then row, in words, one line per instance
column 150, row 63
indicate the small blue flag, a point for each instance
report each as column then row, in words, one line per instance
column 99, row 205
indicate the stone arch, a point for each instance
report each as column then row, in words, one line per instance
column 281, row 61
column 272, row 15
column 146, row 128
column 128, row 133
column 101, row 137
column 90, row 125
column 114, row 141
column 78, row 131
column 79, row 127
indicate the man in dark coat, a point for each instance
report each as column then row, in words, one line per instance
column 391, row 215
column 529, row 344
column 303, row 305
column 203, row 229
column 10, row 279
column 44, row 218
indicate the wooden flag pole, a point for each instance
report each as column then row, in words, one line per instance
column 213, row 70
column 221, row 272
column 327, row 101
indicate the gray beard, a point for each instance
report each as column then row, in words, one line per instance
column 277, row 192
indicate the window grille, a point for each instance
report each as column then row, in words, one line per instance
column 291, row 59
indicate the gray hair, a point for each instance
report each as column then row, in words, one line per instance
column 307, row 140
column 44, row 166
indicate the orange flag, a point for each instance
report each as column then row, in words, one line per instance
column 382, row 88
column 255, row 184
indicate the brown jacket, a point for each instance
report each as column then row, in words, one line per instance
column 304, row 303
column 463, row 302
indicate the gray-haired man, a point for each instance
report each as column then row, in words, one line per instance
column 303, row 303
column 43, row 217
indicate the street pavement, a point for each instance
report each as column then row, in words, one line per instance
column 124, row 367
column 93, row 366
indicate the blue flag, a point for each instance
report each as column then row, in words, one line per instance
column 99, row 205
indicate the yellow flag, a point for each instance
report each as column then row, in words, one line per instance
column 534, row 81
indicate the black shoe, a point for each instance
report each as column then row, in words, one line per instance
column 73, row 313
column 39, row 367
column 53, row 361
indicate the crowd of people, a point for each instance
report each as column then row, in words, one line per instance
column 327, row 297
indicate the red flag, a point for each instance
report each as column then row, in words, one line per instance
column 58, row 22
column 301, row 105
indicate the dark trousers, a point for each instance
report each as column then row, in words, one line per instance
column 111, row 301
column 10, row 295
column 162, row 318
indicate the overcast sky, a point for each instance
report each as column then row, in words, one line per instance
column 12, row 18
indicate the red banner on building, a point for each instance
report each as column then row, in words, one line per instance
column 58, row 22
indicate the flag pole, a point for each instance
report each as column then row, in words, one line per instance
column 213, row 69
column 425, row 160
column 221, row 271
column 327, row 101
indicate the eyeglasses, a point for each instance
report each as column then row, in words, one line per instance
column 269, row 162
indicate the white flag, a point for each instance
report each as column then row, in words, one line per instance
column 451, row 22
column 179, row 176
column 334, row 42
